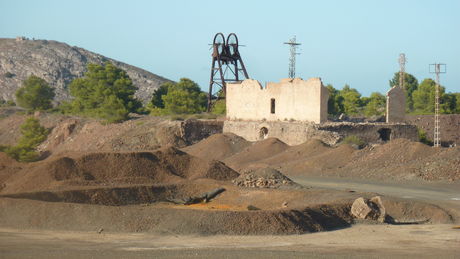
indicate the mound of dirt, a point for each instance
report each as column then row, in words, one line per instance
column 111, row 168
column 322, row 163
column 218, row 146
column 399, row 159
column 402, row 159
column 258, row 151
column 310, row 158
column 444, row 165
column 307, row 149
column 264, row 178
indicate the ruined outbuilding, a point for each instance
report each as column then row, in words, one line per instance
column 396, row 105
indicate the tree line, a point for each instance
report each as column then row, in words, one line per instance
column 107, row 92
column 420, row 99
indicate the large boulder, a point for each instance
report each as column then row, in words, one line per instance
column 372, row 209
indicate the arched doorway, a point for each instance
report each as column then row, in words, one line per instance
column 263, row 133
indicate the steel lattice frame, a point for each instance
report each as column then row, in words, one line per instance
column 437, row 69
column 226, row 66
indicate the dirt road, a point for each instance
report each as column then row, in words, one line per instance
column 385, row 241
column 424, row 191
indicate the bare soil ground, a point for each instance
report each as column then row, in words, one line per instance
column 385, row 241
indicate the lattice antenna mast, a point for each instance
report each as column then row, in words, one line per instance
column 293, row 52
column 402, row 69
column 437, row 69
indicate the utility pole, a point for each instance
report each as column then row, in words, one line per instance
column 402, row 69
column 293, row 52
column 437, row 69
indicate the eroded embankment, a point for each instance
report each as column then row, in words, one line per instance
column 23, row 213
column 149, row 209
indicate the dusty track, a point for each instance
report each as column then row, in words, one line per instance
column 410, row 190
column 386, row 241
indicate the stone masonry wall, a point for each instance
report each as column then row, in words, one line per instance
column 295, row 133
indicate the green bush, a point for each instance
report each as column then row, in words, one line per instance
column 35, row 94
column 33, row 134
column 105, row 92
column 179, row 101
column 422, row 137
column 184, row 97
column 219, row 107
column 354, row 140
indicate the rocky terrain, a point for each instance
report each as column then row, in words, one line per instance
column 59, row 63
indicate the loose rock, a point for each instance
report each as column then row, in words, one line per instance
column 369, row 209
column 263, row 178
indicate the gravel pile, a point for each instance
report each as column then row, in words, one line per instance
column 263, row 178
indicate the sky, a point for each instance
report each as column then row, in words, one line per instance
column 354, row 42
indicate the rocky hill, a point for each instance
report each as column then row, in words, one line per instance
column 59, row 63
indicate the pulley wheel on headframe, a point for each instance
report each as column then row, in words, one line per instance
column 218, row 44
column 232, row 43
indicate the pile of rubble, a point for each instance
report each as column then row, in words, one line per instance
column 263, row 178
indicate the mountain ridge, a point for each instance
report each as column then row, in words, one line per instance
column 59, row 63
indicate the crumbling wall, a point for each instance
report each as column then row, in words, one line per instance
column 396, row 105
column 295, row 133
column 193, row 131
column 290, row 99
column 373, row 132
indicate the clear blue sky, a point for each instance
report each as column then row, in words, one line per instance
column 343, row 42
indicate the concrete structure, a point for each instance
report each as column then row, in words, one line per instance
column 396, row 105
column 288, row 100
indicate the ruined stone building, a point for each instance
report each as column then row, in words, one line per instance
column 295, row 110
column 290, row 99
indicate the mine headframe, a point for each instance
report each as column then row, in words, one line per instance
column 227, row 66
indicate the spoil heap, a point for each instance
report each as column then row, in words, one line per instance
column 402, row 159
column 258, row 151
column 165, row 165
column 399, row 159
column 218, row 146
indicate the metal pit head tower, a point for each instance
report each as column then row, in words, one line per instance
column 227, row 66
